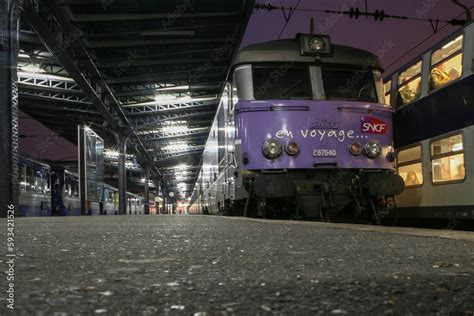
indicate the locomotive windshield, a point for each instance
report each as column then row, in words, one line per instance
column 349, row 84
column 293, row 82
column 281, row 82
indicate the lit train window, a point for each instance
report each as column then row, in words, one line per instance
column 21, row 177
column 30, row 179
column 75, row 188
column 46, row 183
column 281, row 83
column 68, row 189
column 39, row 182
column 447, row 159
column 387, row 90
column 349, row 84
column 446, row 63
column 409, row 84
column 410, row 166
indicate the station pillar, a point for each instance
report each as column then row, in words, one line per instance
column 157, row 190
column 147, row 189
column 122, row 172
column 9, row 25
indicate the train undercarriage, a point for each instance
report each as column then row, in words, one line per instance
column 325, row 195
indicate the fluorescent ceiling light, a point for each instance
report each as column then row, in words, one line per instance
column 42, row 76
column 32, row 69
column 175, row 88
column 165, row 97
column 182, row 166
column 176, row 146
column 175, row 129
column 170, row 98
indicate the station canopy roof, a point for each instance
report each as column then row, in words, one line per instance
column 154, row 69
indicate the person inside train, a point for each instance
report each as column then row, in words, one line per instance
column 461, row 172
column 407, row 94
column 411, row 179
column 439, row 77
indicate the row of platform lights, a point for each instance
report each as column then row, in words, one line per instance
column 182, row 170
column 35, row 70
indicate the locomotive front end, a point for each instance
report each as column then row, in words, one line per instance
column 312, row 130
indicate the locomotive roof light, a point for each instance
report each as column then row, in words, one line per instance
column 372, row 149
column 292, row 148
column 355, row 149
column 272, row 149
column 315, row 44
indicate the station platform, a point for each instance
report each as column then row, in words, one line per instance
column 206, row 265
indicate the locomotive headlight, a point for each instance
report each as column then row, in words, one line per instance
column 391, row 154
column 272, row 149
column 317, row 44
column 355, row 149
column 292, row 148
column 372, row 149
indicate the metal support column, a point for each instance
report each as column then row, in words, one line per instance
column 157, row 190
column 122, row 172
column 9, row 21
column 147, row 191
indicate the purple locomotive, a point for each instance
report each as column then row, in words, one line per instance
column 302, row 130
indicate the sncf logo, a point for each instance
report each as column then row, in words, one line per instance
column 373, row 125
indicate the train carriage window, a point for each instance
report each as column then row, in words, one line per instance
column 46, row 183
column 409, row 85
column 22, row 177
column 447, row 159
column 349, row 84
column 280, row 82
column 30, row 179
column 446, row 63
column 410, row 166
column 387, row 90
column 39, row 181
column 75, row 188
column 68, row 189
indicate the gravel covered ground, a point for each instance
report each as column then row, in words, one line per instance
column 204, row 265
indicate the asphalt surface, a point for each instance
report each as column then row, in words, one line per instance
column 204, row 265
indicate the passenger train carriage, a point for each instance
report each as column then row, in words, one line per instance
column 433, row 97
column 301, row 129
column 35, row 188
column 46, row 191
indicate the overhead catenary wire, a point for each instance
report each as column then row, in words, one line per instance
column 288, row 17
column 355, row 13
